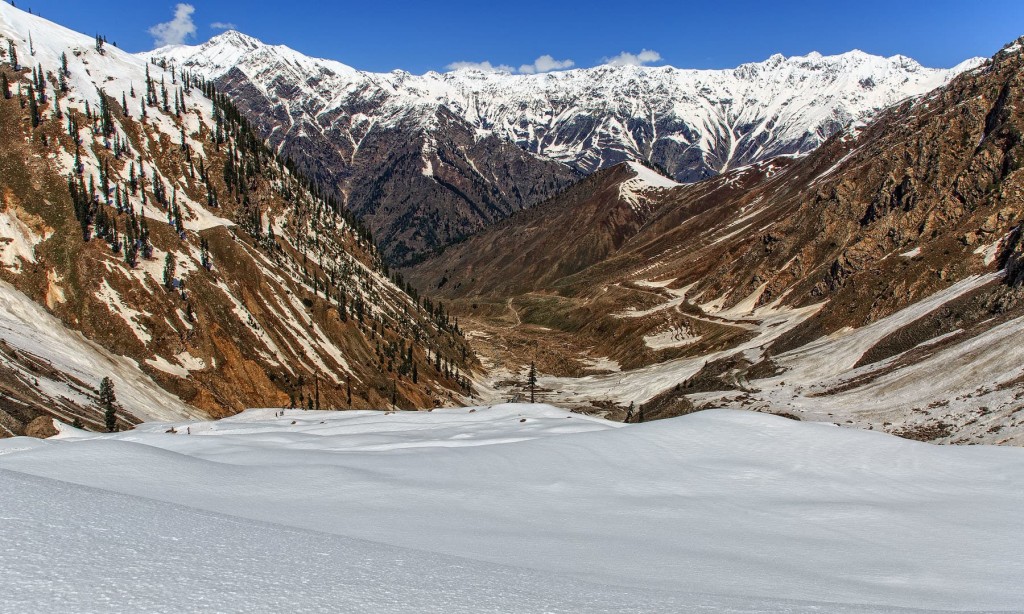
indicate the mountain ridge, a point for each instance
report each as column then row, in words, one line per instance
column 458, row 88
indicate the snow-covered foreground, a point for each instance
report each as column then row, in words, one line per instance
column 480, row 511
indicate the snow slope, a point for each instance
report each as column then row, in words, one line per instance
column 822, row 380
column 262, row 567
column 507, row 508
column 27, row 327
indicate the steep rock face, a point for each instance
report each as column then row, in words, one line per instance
column 471, row 134
column 178, row 255
column 874, row 282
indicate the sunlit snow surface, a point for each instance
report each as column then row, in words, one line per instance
column 511, row 508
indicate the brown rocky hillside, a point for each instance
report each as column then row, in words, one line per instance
column 274, row 298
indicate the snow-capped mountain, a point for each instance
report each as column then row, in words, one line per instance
column 693, row 123
column 428, row 159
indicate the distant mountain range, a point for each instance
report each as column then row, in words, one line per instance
column 429, row 159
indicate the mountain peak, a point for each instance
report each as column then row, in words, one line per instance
column 520, row 108
column 234, row 38
column 217, row 55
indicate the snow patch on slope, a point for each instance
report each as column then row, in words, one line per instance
column 26, row 326
column 644, row 181
column 17, row 240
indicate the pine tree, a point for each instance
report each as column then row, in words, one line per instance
column 169, row 269
column 33, row 108
column 108, row 403
column 204, row 254
column 62, row 79
column 106, row 118
column 531, row 379
column 12, row 53
column 131, row 251
column 146, row 245
column 5, row 85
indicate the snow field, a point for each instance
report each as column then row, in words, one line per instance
column 733, row 511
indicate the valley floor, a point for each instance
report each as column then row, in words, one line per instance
column 509, row 508
column 956, row 387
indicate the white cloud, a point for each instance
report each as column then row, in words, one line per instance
column 484, row 66
column 177, row 30
column 626, row 58
column 545, row 63
column 223, row 25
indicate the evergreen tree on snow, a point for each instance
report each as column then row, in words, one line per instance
column 33, row 108
column 12, row 54
column 108, row 403
column 204, row 254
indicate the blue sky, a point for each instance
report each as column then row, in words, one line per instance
column 421, row 35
